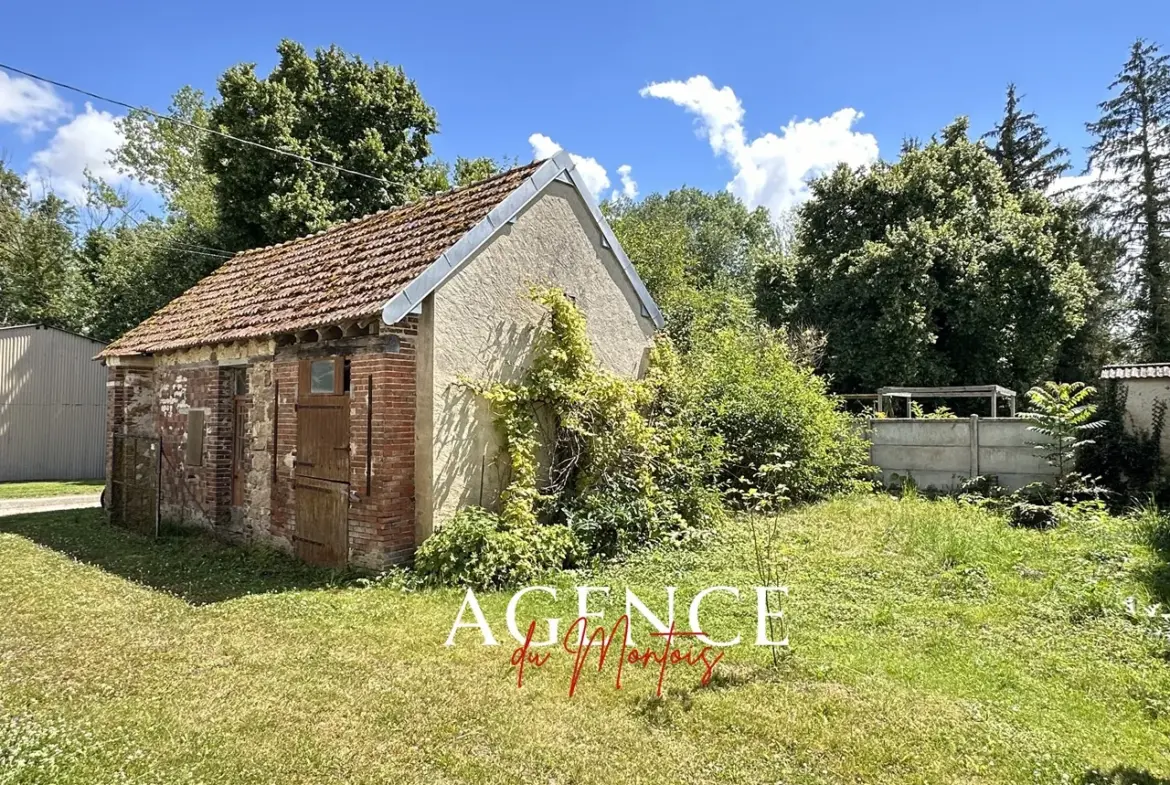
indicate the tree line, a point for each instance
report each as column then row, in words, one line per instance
column 961, row 262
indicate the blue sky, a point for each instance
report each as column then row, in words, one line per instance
column 652, row 86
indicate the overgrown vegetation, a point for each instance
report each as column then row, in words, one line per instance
column 1127, row 460
column 623, row 464
column 601, row 466
column 771, row 411
column 111, row 675
column 1062, row 415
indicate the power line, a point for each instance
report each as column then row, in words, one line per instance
column 197, row 127
column 226, row 254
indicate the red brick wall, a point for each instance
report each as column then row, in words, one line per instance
column 284, row 377
column 382, row 371
column 199, row 492
column 381, row 525
column 381, row 522
column 129, row 407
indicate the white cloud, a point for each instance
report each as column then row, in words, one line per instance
column 629, row 185
column 771, row 170
column 594, row 174
column 28, row 103
column 85, row 142
column 1081, row 185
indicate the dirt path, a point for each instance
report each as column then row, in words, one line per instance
column 49, row 504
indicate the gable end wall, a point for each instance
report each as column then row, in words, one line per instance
column 482, row 326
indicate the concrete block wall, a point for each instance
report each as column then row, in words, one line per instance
column 943, row 453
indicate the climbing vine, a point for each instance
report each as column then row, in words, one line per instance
column 611, row 462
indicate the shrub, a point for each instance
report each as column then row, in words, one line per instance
column 631, row 463
column 770, row 411
column 626, row 464
column 1128, row 463
column 481, row 550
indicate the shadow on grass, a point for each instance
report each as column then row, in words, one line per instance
column 1121, row 775
column 181, row 561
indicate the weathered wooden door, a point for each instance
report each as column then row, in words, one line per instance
column 322, row 533
column 323, row 437
column 322, row 467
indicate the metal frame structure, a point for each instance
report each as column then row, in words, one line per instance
column 993, row 392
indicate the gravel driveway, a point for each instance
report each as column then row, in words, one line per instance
column 49, row 503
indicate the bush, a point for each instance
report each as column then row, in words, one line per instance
column 479, row 549
column 1128, row 463
column 632, row 463
column 626, row 464
column 771, row 412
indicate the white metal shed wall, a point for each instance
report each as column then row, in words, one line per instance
column 52, row 406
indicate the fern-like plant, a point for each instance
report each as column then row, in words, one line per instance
column 1063, row 413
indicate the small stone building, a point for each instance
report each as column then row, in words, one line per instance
column 307, row 396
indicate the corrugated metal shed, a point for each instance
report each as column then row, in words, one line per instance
column 52, row 405
column 1136, row 371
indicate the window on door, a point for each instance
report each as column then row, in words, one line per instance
column 326, row 376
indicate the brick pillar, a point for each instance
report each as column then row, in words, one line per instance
column 218, row 448
column 115, row 415
column 382, row 416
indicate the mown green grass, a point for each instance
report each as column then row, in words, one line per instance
column 930, row 643
column 31, row 490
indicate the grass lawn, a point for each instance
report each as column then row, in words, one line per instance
column 31, row 490
column 930, row 643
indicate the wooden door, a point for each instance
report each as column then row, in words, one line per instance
column 323, row 437
column 322, row 531
column 322, row 463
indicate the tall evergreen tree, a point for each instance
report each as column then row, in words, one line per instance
column 1132, row 148
column 1023, row 150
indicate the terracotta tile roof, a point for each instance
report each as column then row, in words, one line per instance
column 1136, row 371
column 347, row 272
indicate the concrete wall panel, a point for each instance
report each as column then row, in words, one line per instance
column 942, row 453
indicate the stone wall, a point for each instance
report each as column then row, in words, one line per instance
column 158, row 399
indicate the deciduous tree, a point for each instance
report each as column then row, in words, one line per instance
column 329, row 107
column 932, row 271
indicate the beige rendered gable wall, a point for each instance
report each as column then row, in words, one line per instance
column 481, row 325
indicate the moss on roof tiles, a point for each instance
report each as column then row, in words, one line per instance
column 346, row 272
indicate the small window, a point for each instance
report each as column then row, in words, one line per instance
column 323, row 376
column 345, row 378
